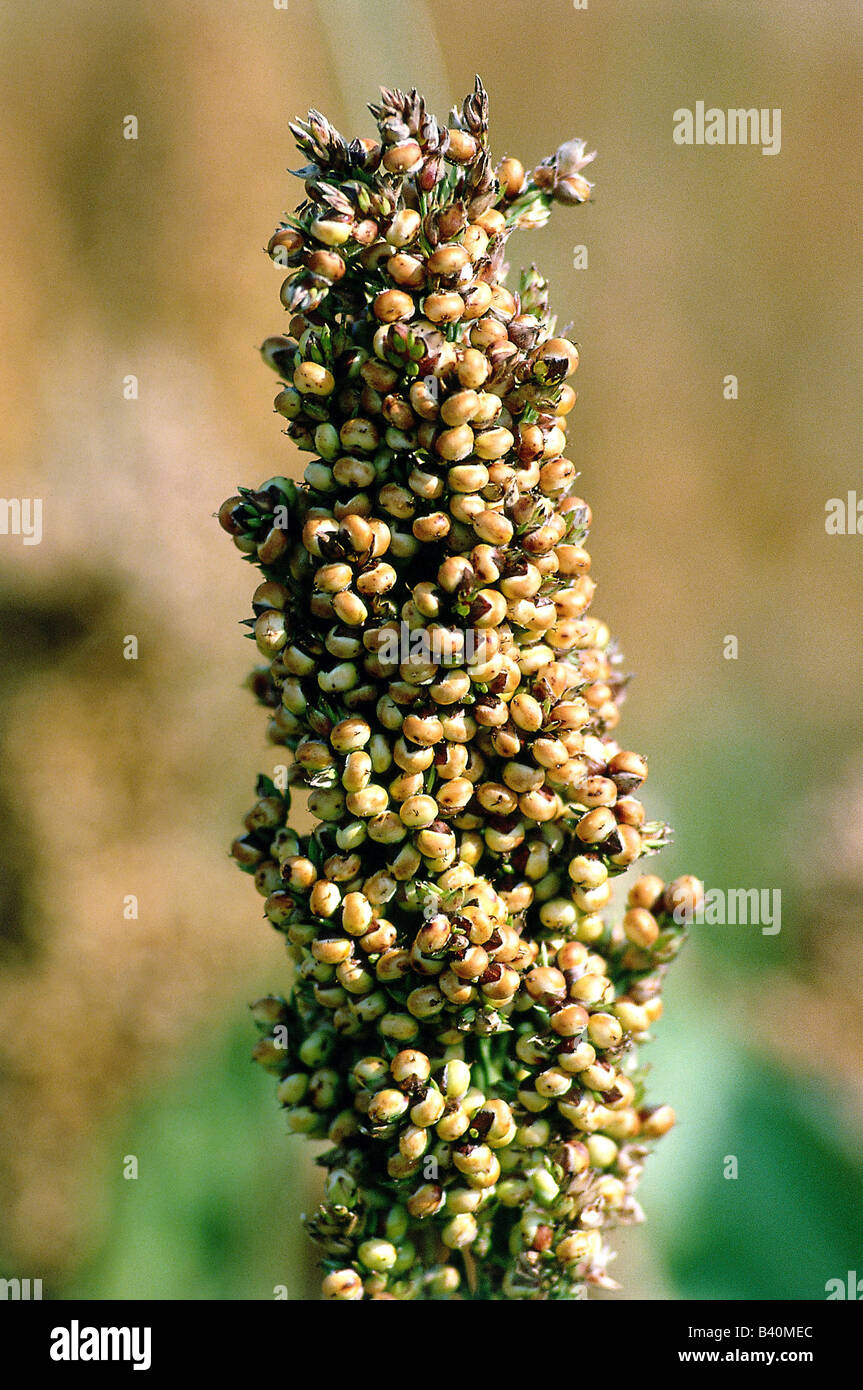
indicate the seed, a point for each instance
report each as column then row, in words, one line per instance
column 581, row 1246
column 378, row 579
column 467, row 477
column 657, row 1121
column 455, row 1079
column 646, row 891
column 477, row 299
column 484, row 334
column 377, row 1255
column 683, row 895
column 357, row 771
column 526, row 712
column 440, row 308
column 428, row 1110
column 590, row 988
column 433, row 527
column 493, row 221
column 553, row 1083
column 493, row 527
column 560, row 347
column 436, row 841
column 448, row 260
column 407, row 271
column 342, row 1284
column 424, row 398
column 641, row 927
column 350, row 609
column 403, row 227
column 504, row 304
column 397, row 501
column 331, row 232
column 359, row 433
column 633, row 1017
column 596, row 826
column 393, row 306
column 271, row 632
column 475, row 242
column 472, row 964
column 630, row 841
column 545, row 985
column 488, row 609
column 465, row 508
column 356, row 913
column 418, row 811
column 289, row 403
column 387, row 1106
column 570, row 1020
column 401, row 158
column 462, row 147
column 410, row 1065
column 426, row 1201
column 510, row 174
column 604, row 1030
column 310, row 378
column 459, row 408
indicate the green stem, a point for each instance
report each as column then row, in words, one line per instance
column 490, row 1067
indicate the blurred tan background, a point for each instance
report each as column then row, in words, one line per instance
column 128, row 1036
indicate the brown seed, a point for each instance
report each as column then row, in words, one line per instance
column 447, row 260
column 630, row 842
column 328, row 264
column 477, row 300
column 545, row 984
column 492, row 220
column 493, row 527
column 404, row 227
column 459, row 408
column 473, row 369
column 462, row 146
column 596, row 826
column 390, row 306
column 657, row 1121
column 455, row 444
column 503, row 302
column 493, row 443
column 401, row 158
column 510, row 175
column 646, row 891
column 570, row 1020
column 641, row 927
column 439, row 308
column 310, row 378
column 433, row 527
column 407, row 271
column 475, row 242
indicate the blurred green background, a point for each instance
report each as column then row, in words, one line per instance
column 129, row 1036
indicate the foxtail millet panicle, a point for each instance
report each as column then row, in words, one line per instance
column 463, row 1021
